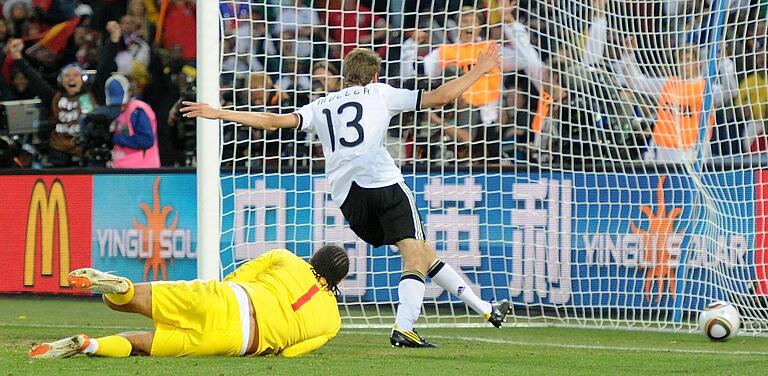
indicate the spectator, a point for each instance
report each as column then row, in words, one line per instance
column 325, row 79
column 145, row 28
column 680, row 101
column 486, row 92
column 135, row 129
column 83, row 48
column 547, row 27
column 253, row 50
column 105, row 11
column 249, row 142
column 265, row 96
column 262, row 91
column 355, row 25
column 25, row 82
column 515, row 123
column 139, row 78
column 18, row 14
column 67, row 104
column 522, row 57
column 596, row 36
column 294, row 75
column 299, row 24
column 411, row 55
column 137, row 50
column 179, row 27
column 460, row 124
column 753, row 103
column 4, row 34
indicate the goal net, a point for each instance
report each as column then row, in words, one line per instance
column 609, row 174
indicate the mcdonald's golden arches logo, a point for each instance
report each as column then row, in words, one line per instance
column 47, row 206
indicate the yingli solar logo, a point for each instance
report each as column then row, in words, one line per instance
column 661, row 227
column 47, row 207
column 154, row 237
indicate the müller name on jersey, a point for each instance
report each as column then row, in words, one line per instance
column 332, row 97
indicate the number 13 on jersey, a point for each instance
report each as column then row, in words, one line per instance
column 354, row 123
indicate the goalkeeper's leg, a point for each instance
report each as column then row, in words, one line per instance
column 116, row 346
column 120, row 293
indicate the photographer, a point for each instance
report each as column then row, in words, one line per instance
column 183, row 131
column 95, row 138
column 134, row 130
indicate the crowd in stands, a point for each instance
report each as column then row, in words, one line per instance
column 104, row 76
column 581, row 82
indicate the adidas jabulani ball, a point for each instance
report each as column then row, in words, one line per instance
column 720, row 321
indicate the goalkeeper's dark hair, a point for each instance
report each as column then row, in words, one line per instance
column 331, row 263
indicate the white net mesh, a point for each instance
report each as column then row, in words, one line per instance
column 611, row 174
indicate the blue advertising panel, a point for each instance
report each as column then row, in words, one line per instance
column 145, row 226
column 572, row 239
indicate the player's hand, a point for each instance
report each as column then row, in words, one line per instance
column 489, row 59
column 114, row 30
column 194, row 109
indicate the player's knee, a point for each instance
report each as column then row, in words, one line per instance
column 428, row 253
column 417, row 255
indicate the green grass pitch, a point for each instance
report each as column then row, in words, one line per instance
column 478, row 351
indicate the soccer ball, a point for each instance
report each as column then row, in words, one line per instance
column 720, row 321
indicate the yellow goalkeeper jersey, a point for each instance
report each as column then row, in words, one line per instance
column 294, row 312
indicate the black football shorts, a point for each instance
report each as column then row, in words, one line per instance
column 383, row 216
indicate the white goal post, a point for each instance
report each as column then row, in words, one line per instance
column 612, row 173
column 208, row 140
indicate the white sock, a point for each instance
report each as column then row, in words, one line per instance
column 447, row 277
column 92, row 346
column 411, row 294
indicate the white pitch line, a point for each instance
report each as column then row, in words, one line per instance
column 462, row 338
column 66, row 326
column 578, row 347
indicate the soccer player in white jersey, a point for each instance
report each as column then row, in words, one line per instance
column 365, row 181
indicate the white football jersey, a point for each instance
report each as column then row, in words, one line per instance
column 352, row 126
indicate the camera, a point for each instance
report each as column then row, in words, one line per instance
column 184, row 130
column 95, row 136
column 22, row 117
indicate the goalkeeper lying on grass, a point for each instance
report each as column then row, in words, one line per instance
column 275, row 304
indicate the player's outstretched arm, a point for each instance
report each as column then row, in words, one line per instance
column 446, row 93
column 261, row 120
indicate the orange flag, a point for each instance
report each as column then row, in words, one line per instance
column 55, row 39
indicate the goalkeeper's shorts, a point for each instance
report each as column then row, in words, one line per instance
column 198, row 318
